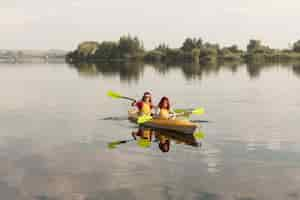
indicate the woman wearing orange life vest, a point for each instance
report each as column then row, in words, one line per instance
column 145, row 105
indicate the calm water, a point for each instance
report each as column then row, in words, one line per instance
column 56, row 123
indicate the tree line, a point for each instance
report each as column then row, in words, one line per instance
column 192, row 50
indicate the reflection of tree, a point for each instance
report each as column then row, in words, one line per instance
column 253, row 69
column 296, row 69
column 192, row 71
column 126, row 71
column 162, row 68
column 87, row 69
column 189, row 70
column 231, row 65
column 132, row 71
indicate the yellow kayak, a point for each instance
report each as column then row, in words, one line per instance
column 177, row 125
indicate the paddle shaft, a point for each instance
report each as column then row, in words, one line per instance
column 128, row 98
column 183, row 113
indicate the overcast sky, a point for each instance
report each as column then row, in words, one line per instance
column 44, row 24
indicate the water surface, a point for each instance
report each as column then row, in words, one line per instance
column 54, row 141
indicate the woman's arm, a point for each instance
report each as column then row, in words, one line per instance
column 133, row 103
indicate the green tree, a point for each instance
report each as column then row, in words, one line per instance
column 173, row 55
column 107, row 51
column 162, row 47
column 191, row 43
column 253, row 46
column 88, row 48
column 154, row 56
column 196, row 55
column 209, row 54
column 130, row 46
column 234, row 49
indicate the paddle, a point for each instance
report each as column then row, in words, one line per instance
column 145, row 143
column 196, row 111
column 146, row 118
column 116, row 95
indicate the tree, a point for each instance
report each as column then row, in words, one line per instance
column 162, row 47
column 191, row 43
column 88, row 48
column 154, row 56
column 108, row 50
column 234, row 49
column 253, row 46
column 196, row 55
column 173, row 55
column 130, row 46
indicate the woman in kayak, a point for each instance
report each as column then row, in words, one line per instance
column 165, row 108
column 145, row 105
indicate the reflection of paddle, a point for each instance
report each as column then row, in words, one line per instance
column 199, row 135
column 144, row 143
column 115, row 118
column 200, row 121
column 113, row 145
column 116, row 95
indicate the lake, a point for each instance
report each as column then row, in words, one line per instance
column 57, row 125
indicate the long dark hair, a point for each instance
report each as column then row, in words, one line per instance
column 160, row 105
column 147, row 94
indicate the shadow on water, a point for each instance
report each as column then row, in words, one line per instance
column 145, row 137
column 133, row 71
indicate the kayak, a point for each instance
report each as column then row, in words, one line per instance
column 188, row 139
column 177, row 125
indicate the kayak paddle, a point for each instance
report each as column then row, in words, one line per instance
column 146, row 118
column 196, row 111
column 116, row 95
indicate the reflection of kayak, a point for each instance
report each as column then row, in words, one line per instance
column 188, row 139
column 182, row 126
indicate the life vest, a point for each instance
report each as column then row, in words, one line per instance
column 164, row 113
column 144, row 108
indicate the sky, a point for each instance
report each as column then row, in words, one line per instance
column 57, row 24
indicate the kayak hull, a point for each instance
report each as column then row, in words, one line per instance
column 176, row 125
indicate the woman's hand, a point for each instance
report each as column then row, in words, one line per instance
column 133, row 103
